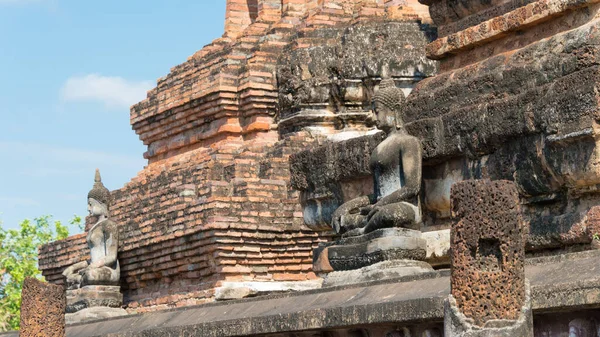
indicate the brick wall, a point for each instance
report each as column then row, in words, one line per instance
column 56, row 256
column 205, row 216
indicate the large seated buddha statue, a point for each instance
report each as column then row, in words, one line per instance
column 396, row 167
column 380, row 233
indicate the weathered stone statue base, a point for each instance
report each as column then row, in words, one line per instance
column 94, row 302
column 456, row 324
column 360, row 251
column 384, row 253
column 379, row 271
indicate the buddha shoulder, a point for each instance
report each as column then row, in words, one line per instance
column 106, row 225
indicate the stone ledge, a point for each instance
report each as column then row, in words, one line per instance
column 238, row 290
column 497, row 27
column 94, row 314
column 566, row 283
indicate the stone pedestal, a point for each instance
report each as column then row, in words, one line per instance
column 94, row 302
column 384, row 253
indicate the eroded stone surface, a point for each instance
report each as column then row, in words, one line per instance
column 42, row 309
column 488, row 250
column 238, row 290
column 438, row 247
column 515, row 99
column 94, row 296
column 330, row 86
column 457, row 324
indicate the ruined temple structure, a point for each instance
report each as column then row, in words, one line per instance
column 213, row 214
column 257, row 141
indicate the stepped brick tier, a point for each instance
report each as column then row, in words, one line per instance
column 564, row 288
column 42, row 309
column 213, row 214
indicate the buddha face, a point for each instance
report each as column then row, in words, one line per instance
column 96, row 208
column 385, row 117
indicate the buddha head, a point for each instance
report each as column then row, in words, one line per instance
column 98, row 198
column 387, row 105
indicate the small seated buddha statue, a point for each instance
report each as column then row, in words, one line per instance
column 102, row 238
column 396, row 165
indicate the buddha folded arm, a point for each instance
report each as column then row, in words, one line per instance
column 74, row 269
column 73, row 274
column 341, row 221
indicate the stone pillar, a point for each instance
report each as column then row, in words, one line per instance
column 490, row 296
column 42, row 309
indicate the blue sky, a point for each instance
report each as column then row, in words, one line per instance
column 70, row 70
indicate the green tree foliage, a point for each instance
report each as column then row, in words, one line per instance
column 18, row 260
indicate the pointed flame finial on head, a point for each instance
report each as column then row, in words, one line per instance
column 97, row 178
column 99, row 192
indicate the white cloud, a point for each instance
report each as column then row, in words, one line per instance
column 79, row 158
column 114, row 92
column 12, row 202
column 42, row 172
